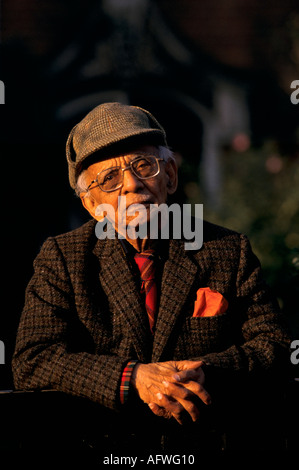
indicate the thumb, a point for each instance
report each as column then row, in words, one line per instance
column 187, row 370
column 190, row 365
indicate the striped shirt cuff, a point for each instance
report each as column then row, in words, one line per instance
column 125, row 381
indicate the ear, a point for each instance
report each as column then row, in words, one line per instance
column 171, row 171
column 89, row 204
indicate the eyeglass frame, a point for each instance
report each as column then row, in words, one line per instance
column 129, row 167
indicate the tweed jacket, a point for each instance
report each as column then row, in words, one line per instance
column 84, row 318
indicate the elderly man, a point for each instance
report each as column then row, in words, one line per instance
column 130, row 321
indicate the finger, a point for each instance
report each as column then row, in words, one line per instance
column 171, row 406
column 185, row 365
column 159, row 411
column 189, row 374
column 180, row 405
column 187, row 391
column 199, row 391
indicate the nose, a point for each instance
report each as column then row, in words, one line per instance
column 131, row 184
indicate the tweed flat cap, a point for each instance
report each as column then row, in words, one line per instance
column 106, row 127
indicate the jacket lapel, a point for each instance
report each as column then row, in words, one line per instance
column 118, row 284
column 178, row 277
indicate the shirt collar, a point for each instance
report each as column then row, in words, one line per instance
column 161, row 251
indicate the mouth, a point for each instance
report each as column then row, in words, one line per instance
column 139, row 206
column 146, row 201
column 141, row 199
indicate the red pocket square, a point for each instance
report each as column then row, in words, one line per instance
column 209, row 303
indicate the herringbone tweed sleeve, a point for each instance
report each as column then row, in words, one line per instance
column 46, row 355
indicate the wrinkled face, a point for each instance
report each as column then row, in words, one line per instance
column 154, row 190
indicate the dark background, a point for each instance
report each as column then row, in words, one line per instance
column 216, row 74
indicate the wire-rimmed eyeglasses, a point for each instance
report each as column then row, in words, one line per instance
column 111, row 179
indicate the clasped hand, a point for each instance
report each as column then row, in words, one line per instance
column 171, row 388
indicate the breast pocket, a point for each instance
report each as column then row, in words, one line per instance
column 199, row 336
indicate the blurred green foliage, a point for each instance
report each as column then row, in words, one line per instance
column 259, row 196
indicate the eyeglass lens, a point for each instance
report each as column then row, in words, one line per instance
column 143, row 168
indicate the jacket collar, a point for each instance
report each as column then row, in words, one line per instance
column 177, row 280
column 120, row 287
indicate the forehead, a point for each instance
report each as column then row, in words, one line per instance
column 122, row 159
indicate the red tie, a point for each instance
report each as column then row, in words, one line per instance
column 145, row 263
